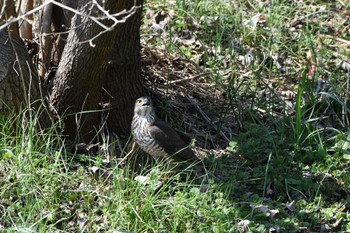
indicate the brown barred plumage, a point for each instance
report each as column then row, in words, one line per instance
column 157, row 138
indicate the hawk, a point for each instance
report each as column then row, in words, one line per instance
column 159, row 140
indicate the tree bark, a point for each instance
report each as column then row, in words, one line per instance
column 122, row 82
column 78, row 82
column 9, row 11
column 46, row 40
column 61, row 20
column 19, row 82
column 25, row 26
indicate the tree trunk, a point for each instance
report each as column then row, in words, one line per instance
column 46, row 40
column 25, row 28
column 19, row 82
column 7, row 11
column 122, row 83
column 78, row 82
column 61, row 20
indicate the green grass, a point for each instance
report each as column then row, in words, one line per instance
column 285, row 169
column 46, row 189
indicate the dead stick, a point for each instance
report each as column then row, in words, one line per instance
column 206, row 118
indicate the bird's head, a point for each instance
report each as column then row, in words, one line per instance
column 144, row 107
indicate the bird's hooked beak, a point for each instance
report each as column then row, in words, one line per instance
column 146, row 103
column 147, row 107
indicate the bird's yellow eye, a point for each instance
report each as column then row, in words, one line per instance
column 139, row 101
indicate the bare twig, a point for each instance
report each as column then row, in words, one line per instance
column 97, row 20
column 129, row 13
column 189, row 78
column 192, row 62
column 20, row 73
column 206, row 118
column 342, row 41
column 23, row 17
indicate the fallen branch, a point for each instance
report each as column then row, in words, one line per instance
column 206, row 118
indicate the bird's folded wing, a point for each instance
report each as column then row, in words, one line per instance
column 170, row 141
